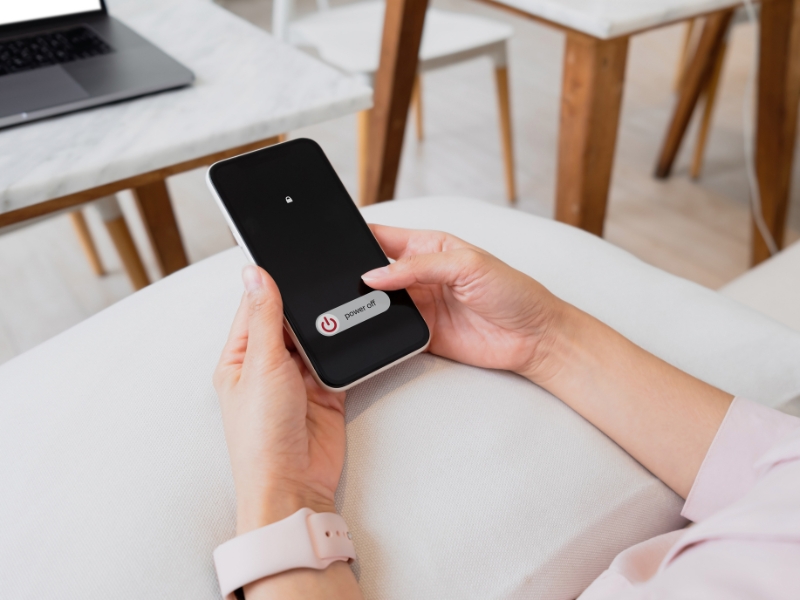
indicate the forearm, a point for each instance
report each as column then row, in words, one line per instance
column 663, row 417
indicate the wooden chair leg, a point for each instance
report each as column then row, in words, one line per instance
column 402, row 34
column 710, row 95
column 507, row 142
column 697, row 75
column 363, row 155
column 155, row 207
column 416, row 103
column 86, row 241
column 776, row 119
column 683, row 60
column 591, row 99
column 117, row 228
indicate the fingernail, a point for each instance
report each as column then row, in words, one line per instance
column 252, row 279
column 375, row 274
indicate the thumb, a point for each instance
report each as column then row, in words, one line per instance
column 453, row 268
column 265, row 345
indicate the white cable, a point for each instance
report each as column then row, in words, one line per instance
column 747, row 120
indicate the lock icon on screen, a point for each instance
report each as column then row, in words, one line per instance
column 289, row 200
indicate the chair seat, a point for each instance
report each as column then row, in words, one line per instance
column 459, row 482
column 349, row 37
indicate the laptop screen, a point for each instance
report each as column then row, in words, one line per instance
column 17, row 11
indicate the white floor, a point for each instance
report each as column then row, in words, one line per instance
column 699, row 230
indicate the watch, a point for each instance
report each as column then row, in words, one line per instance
column 305, row 539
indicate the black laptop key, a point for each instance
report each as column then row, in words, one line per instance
column 52, row 48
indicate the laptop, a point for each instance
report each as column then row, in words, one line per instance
column 58, row 56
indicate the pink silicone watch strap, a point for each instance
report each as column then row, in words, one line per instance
column 305, row 539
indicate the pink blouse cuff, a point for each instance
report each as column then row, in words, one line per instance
column 729, row 469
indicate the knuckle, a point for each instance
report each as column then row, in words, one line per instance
column 471, row 266
column 262, row 306
column 471, row 257
column 257, row 302
column 413, row 261
column 448, row 241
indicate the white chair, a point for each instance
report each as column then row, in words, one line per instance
column 349, row 38
column 458, row 482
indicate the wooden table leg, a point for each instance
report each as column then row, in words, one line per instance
column 86, row 241
column 162, row 228
column 402, row 34
column 683, row 60
column 710, row 95
column 416, row 100
column 117, row 228
column 695, row 80
column 591, row 98
column 776, row 121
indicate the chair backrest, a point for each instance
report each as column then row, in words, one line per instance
column 282, row 14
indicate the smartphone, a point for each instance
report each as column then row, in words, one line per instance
column 291, row 214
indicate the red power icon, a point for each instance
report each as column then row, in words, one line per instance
column 329, row 324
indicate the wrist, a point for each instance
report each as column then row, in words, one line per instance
column 554, row 344
column 275, row 504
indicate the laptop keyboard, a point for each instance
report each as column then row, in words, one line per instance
column 45, row 49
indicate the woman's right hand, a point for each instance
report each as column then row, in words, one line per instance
column 484, row 313
column 480, row 311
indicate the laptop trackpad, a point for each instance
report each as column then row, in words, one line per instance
column 40, row 88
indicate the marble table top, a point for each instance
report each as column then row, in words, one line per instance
column 248, row 87
column 606, row 19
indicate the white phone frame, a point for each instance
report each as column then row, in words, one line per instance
column 240, row 241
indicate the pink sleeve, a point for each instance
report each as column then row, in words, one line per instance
column 730, row 468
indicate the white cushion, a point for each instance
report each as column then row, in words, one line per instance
column 772, row 288
column 459, row 482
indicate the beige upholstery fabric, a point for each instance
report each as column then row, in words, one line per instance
column 459, row 483
column 772, row 288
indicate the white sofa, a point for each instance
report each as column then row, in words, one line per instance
column 772, row 288
column 459, row 482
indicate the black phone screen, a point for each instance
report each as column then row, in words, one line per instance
column 300, row 224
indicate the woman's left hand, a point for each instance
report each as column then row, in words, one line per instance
column 285, row 434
